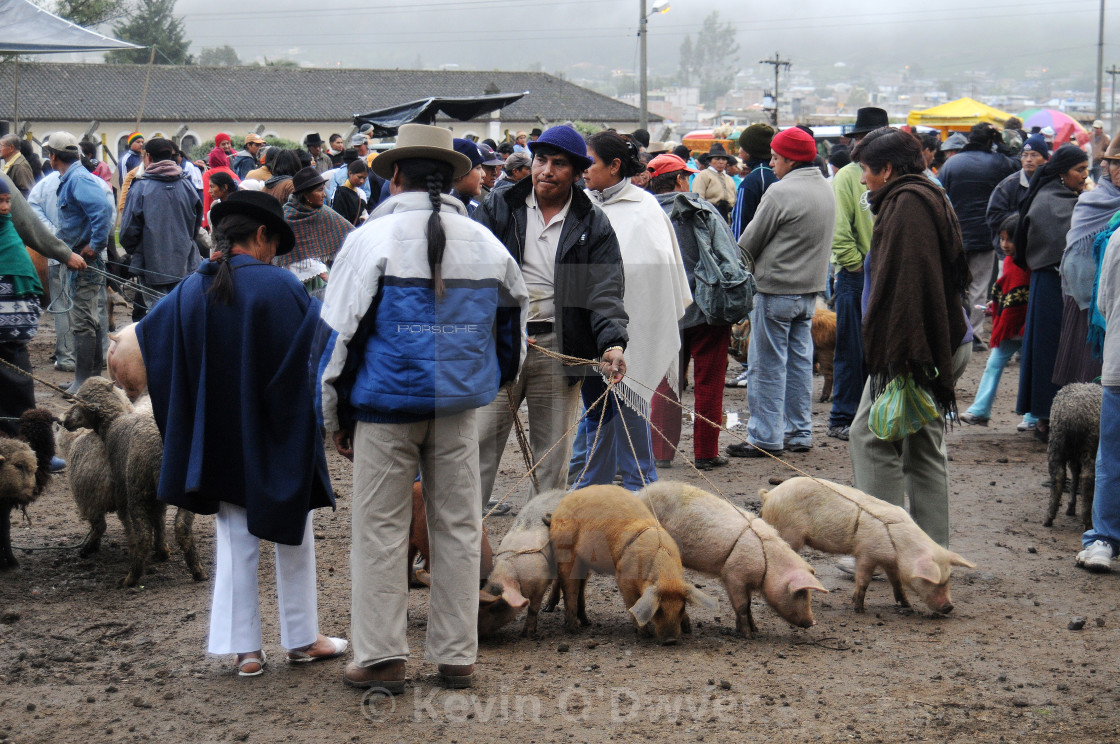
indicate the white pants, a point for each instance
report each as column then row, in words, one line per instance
column 235, row 615
column 386, row 457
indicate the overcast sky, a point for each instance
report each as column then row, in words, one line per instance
column 949, row 36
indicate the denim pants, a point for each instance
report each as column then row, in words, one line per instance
column 848, row 369
column 998, row 358
column 1106, row 498
column 780, row 379
column 620, row 426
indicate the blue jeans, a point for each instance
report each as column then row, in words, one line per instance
column 998, row 358
column 780, row 379
column 848, row 369
column 1106, row 497
column 612, row 453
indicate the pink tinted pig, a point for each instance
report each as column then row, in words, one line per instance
column 717, row 538
column 126, row 363
column 840, row 519
column 523, row 569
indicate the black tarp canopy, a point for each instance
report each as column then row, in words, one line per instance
column 386, row 121
column 26, row 28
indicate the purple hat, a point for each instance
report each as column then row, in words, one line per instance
column 564, row 139
column 468, row 148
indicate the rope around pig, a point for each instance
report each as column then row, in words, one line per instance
column 571, row 361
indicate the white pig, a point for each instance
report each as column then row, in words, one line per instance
column 126, row 363
column 523, row 569
column 717, row 538
column 840, row 519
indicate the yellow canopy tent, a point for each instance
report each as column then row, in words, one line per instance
column 957, row 116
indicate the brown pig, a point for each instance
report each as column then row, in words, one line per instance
column 720, row 539
column 418, row 540
column 523, row 569
column 126, row 363
column 840, row 519
column 605, row 529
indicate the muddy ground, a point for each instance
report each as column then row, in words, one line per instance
column 82, row 659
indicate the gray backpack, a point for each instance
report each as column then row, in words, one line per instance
column 725, row 290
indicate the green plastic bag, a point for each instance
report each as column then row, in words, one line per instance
column 901, row 409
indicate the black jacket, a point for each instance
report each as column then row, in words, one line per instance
column 969, row 177
column 589, row 280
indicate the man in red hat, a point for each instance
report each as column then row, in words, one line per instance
column 787, row 244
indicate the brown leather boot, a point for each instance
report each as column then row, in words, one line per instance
column 456, row 676
column 387, row 675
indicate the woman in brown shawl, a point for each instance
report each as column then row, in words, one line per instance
column 913, row 323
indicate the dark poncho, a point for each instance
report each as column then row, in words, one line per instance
column 232, row 395
column 914, row 319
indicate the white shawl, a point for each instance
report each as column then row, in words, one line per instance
column 656, row 290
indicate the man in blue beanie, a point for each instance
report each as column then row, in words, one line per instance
column 572, row 265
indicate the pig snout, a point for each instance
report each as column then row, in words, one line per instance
column 938, row 599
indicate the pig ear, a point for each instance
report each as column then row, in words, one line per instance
column 956, row 560
column 646, row 605
column 762, row 494
column 805, row 580
column 927, row 569
column 513, row 598
column 486, row 598
column 697, row 597
column 114, row 337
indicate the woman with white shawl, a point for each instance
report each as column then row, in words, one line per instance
column 656, row 296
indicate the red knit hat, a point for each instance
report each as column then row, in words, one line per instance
column 795, row 144
column 220, row 137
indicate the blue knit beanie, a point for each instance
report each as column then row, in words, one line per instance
column 468, row 148
column 568, row 141
column 1037, row 143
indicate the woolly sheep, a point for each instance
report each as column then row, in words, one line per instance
column 1075, row 424
column 24, row 472
column 129, row 458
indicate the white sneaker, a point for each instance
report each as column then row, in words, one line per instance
column 1096, row 557
column 1026, row 426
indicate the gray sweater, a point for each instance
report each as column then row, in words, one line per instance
column 790, row 238
column 1108, row 300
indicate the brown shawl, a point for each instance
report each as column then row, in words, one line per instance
column 914, row 319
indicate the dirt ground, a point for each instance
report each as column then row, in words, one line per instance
column 82, row 659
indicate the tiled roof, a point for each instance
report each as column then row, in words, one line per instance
column 67, row 92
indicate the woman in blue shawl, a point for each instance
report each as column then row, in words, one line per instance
column 226, row 354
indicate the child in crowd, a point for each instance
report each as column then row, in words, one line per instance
column 1009, row 310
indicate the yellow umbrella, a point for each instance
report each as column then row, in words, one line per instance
column 958, row 115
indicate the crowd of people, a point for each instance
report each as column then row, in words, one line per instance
column 403, row 304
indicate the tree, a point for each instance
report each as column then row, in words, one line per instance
column 152, row 23
column 223, row 56
column 710, row 62
column 685, row 75
column 91, row 12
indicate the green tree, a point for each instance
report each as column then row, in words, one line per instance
column 91, row 12
column 152, row 23
column 223, row 56
column 710, row 62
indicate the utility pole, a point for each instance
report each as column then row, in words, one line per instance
column 643, row 116
column 779, row 63
column 1100, row 61
column 1113, row 72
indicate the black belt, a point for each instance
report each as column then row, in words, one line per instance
column 538, row 328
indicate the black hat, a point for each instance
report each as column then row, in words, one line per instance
column 717, row 151
column 306, row 179
column 313, row 140
column 258, row 206
column 868, row 120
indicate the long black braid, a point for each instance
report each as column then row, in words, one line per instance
column 232, row 230
column 434, row 177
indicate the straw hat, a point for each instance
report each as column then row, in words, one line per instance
column 422, row 141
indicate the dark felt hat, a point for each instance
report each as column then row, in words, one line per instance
column 313, row 140
column 258, row 206
column 869, row 119
column 306, row 179
column 717, row 151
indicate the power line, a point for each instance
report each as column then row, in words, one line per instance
column 778, row 64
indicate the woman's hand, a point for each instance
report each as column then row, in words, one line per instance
column 343, row 442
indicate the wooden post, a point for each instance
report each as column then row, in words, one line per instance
column 144, row 95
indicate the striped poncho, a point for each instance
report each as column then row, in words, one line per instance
column 319, row 232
